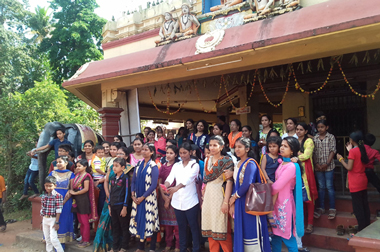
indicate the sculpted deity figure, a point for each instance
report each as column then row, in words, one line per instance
column 168, row 28
column 262, row 7
column 225, row 4
column 188, row 23
column 290, row 3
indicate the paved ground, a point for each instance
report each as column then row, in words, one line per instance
column 29, row 240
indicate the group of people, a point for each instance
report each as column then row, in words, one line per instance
column 193, row 185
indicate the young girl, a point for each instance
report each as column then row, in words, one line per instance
column 184, row 196
column 151, row 136
column 291, row 124
column 103, row 238
column 144, row 217
column 170, row 135
column 357, row 179
column 106, row 146
column 217, row 130
column 160, row 144
column 287, row 207
column 88, row 154
column 166, row 213
column 235, row 134
column 181, row 134
column 136, row 156
column 64, row 182
column 270, row 163
column 262, row 135
column 305, row 155
column 324, row 151
column 84, row 206
column 201, row 138
column 215, row 223
column 251, row 233
column 247, row 133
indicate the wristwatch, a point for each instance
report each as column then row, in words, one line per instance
column 57, row 223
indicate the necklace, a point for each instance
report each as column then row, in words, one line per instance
column 167, row 25
column 187, row 19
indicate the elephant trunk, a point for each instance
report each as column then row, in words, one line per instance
column 42, row 159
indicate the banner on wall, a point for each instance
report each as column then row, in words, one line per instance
column 243, row 110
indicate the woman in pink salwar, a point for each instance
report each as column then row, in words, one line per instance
column 136, row 156
column 288, row 207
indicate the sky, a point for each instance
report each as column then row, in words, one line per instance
column 107, row 9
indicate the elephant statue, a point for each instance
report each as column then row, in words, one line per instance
column 77, row 134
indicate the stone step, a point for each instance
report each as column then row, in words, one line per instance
column 326, row 238
column 342, row 218
column 343, row 203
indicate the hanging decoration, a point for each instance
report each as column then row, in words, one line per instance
column 250, row 94
column 199, row 100
column 372, row 95
column 298, row 86
column 283, row 97
column 167, row 103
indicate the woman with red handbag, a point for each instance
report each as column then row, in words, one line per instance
column 251, row 232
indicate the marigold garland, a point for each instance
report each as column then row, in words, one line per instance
column 199, row 100
column 250, row 95
column 372, row 95
column 283, row 97
column 167, row 104
column 298, row 86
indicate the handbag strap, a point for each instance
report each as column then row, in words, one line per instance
column 262, row 177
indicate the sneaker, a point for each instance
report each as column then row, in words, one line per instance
column 79, row 239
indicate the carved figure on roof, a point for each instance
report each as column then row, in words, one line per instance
column 168, row 28
column 263, row 7
column 225, row 4
column 290, row 3
column 187, row 23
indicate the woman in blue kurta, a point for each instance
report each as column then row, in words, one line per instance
column 64, row 184
column 201, row 137
column 251, row 232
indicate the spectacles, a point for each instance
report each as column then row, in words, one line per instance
column 120, row 154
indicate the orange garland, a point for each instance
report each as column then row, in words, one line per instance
column 283, row 97
column 298, row 86
column 199, row 100
column 372, row 95
column 167, row 104
column 250, row 95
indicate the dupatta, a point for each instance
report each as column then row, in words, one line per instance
column 214, row 170
column 77, row 184
column 233, row 140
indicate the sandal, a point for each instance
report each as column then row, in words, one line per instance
column 167, row 249
column 304, row 249
column 332, row 214
column 3, row 228
column 318, row 212
column 340, row 230
column 177, row 250
column 352, row 230
column 309, row 229
column 123, row 250
column 83, row 245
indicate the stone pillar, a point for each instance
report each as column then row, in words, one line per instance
column 110, row 122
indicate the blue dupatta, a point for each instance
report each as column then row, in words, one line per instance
column 298, row 200
column 140, row 190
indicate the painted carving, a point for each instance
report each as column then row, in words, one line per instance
column 233, row 20
column 262, row 7
column 224, row 4
column 168, row 28
column 208, row 41
column 188, row 24
column 290, row 3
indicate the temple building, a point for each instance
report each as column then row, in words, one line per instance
column 197, row 59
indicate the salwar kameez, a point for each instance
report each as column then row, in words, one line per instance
column 251, row 232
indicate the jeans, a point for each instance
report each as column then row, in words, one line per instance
column 326, row 180
column 29, row 181
column 291, row 244
column 361, row 209
column 189, row 217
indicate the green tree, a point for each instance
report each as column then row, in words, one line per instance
column 40, row 23
column 76, row 37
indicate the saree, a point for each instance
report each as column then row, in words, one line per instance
column 251, row 232
column 144, row 217
column 167, row 216
column 77, row 185
column 214, row 222
column 66, row 227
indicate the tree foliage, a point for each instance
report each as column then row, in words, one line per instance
column 76, row 36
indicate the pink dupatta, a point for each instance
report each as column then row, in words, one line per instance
column 77, row 184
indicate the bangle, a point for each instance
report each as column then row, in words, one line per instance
column 340, row 159
column 57, row 223
column 225, row 203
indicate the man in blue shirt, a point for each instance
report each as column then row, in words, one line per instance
column 56, row 142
